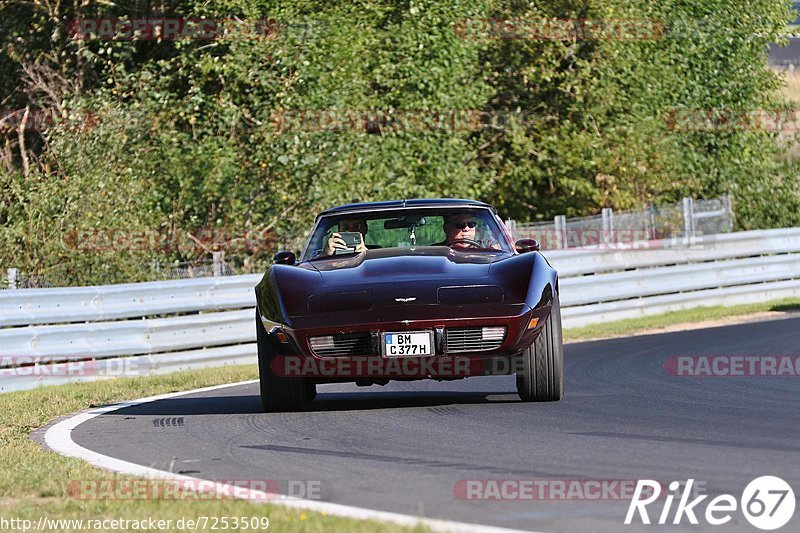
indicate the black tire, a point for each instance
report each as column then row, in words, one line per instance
column 542, row 376
column 311, row 391
column 279, row 394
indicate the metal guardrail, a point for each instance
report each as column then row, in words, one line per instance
column 639, row 307
column 128, row 337
column 28, row 377
column 40, row 325
column 88, row 304
column 626, row 285
column 580, row 261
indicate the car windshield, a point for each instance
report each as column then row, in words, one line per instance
column 461, row 229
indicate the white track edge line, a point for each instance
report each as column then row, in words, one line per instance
column 58, row 438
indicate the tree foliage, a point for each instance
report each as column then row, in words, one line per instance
column 192, row 136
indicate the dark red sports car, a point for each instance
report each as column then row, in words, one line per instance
column 416, row 289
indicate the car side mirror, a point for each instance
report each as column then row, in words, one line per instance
column 527, row 245
column 284, row 258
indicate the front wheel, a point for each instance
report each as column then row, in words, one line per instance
column 279, row 394
column 542, row 376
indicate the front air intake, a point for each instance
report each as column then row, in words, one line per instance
column 341, row 345
column 476, row 339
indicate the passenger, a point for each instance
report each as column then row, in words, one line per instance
column 335, row 241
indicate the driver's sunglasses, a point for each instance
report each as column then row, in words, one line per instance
column 464, row 225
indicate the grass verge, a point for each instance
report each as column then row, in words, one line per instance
column 694, row 316
column 34, row 482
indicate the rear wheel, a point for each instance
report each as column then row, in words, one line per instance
column 279, row 394
column 542, row 376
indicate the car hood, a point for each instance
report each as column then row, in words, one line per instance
column 397, row 285
column 425, row 263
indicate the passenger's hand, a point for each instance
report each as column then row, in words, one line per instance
column 335, row 242
column 361, row 246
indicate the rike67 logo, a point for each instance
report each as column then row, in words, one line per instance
column 767, row 503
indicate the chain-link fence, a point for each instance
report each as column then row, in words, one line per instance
column 684, row 219
column 206, row 268
column 712, row 216
column 15, row 281
column 214, row 266
column 544, row 232
column 688, row 218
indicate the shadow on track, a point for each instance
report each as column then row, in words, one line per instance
column 325, row 402
column 342, row 401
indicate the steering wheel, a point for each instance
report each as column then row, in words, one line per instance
column 470, row 242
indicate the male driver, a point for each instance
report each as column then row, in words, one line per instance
column 460, row 232
column 335, row 242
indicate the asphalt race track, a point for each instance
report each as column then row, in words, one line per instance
column 404, row 447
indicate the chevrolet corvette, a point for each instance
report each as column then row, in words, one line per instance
column 403, row 290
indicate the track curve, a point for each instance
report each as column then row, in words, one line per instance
column 404, row 447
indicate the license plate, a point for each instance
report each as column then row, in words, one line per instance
column 408, row 344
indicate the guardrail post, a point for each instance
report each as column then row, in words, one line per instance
column 219, row 263
column 13, row 275
column 650, row 222
column 688, row 218
column 727, row 202
column 511, row 226
column 608, row 226
column 561, row 232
